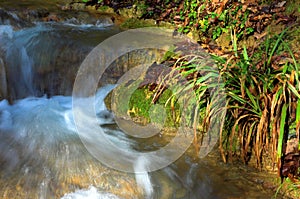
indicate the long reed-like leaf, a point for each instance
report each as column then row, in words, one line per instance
column 281, row 134
column 293, row 89
column 254, row 102
column 237, row 98
column 245, row 55
column 298, row 122
column 206, row 77
column 279, row 39
column 234, row 41
column 295, row 64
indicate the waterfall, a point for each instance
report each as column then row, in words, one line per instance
column 143, row 178
column 17, row 64
column 44, row 59
column 20, row 71
column 27, row 73
column 6, row 33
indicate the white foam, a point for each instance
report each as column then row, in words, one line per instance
column 6, row 30
column 143, row 178
column 90, row 193
column 73, row 22
column 5, row 120
column 42, row 121
column 56, row 109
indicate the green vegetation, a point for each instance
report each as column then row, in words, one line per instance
column 136, row 23
column 263, row 100
column 146, row 108
column 255, row 46
column 216, row 22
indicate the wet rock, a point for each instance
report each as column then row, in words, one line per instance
column 3, row 84
column 48, row 65
column 35, row 14
column 78, row 6
column 27, row 14
column 35, row 184
column 13, row 18
column 51, row 17
column 128, row 61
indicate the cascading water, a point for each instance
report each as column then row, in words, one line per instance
column 40, row 146
column 38, row 133
column 41, row 154
column 44, row 59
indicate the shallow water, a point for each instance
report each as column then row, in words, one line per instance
column 41, row 153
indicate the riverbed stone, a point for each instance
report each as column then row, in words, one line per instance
column 78, row 6
column 3, row 83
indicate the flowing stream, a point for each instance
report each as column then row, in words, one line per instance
column 41, row 155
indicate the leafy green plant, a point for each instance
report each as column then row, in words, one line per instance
column 214, row 23
column 202, row 93
column 261, row 98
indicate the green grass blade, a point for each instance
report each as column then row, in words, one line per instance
column 234, row 41
column 298, row 118
column 254, row 102
column 245, row 54
column 237, row 98
column 295, row 64
column 206, row 77
column 298, row 111
column 275, row 46
column 293, row 89
column 281, row 134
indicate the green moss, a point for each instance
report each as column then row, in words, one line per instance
column 293, row 7
column 137, row 23
column 106, row 9
column 142, row 108
column 140, row 103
